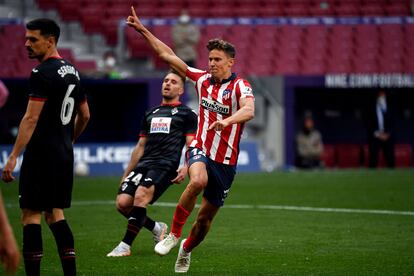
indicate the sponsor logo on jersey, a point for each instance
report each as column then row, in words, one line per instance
column 226, row 94
column 247, row 91
column 148, row 179
column 215, row 106
column 160, row 125
column 174, row 111
column 155, row 111
column 67, row 69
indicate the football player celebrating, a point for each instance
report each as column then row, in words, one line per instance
column 226, row 102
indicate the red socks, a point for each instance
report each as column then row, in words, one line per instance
column 179, row 219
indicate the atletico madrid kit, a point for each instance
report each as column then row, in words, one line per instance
column 218, row 149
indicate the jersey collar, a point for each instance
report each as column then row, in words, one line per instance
column 232, row 77
column 55, row 57
column 171, row 104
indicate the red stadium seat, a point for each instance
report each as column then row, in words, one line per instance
column 47, row 4
column 403, row 155
column 347, row 9
column 370, row 9
column 299, row 9
column 85, row 65
column 329, row 156
column 401, row 9
column 348, row 155
column 67, row 54
column 68, row 10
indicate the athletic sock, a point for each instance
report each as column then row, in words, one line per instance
column 179, row 219
column 66, row 246
column 32, row 248
column 136, row 220
column 190, row 243
column 149, row 224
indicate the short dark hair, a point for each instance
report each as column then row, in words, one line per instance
column 47, row 27
column 220, row 44
column 172, row 71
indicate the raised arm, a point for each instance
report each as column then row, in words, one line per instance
column 163, row 51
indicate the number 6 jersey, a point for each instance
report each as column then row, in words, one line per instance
column 55, row 82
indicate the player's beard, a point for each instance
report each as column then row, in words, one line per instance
column 31, row 54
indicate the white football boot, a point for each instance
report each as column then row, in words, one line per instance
column 159, row 231
column 163, row 247
column 183, row 259
column 121, row 250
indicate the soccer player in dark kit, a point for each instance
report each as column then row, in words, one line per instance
column 154, row 162
column 57, row 113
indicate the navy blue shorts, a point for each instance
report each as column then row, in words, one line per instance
column 161, row 179
column 220, row 176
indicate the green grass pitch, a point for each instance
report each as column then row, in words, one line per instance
column 254, row 234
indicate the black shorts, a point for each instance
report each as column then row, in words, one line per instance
column 161, row 179
column 220, row 176
column 44, row 183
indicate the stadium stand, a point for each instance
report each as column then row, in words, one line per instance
column 16, row 65
column 289, row 49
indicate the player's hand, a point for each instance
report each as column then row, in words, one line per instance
column 7, row 174
column 181, row 173
column 133, row 21
column 218, row 125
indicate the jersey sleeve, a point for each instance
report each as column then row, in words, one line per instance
column 37, row 86
column 191, row 124
column 244, row 90
column 144, row 127
column 194, row 74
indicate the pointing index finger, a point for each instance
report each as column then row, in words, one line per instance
column 133, row 11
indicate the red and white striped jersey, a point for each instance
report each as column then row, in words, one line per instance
column 217, row 101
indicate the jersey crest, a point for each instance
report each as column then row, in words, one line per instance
column 174, row 111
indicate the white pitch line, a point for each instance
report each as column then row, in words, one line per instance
column 264, row 207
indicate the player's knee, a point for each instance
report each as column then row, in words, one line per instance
column 123, row 206
column 197, row 184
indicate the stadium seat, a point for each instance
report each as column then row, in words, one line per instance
column 329, row 156
column 297, row 10
column 403, row 155
column 67, row 54
column 85, row 65
column 400, row 9
column 47, row 4
column 372, row 9
column 68, row 10
column 348, row 155
column 318, row 9
column 347, row 9
column 169, row 12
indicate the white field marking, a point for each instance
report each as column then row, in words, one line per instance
column 263, row 207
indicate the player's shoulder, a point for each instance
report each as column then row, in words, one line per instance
column 186, row 108
column 54, row 66
column 153, row 110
